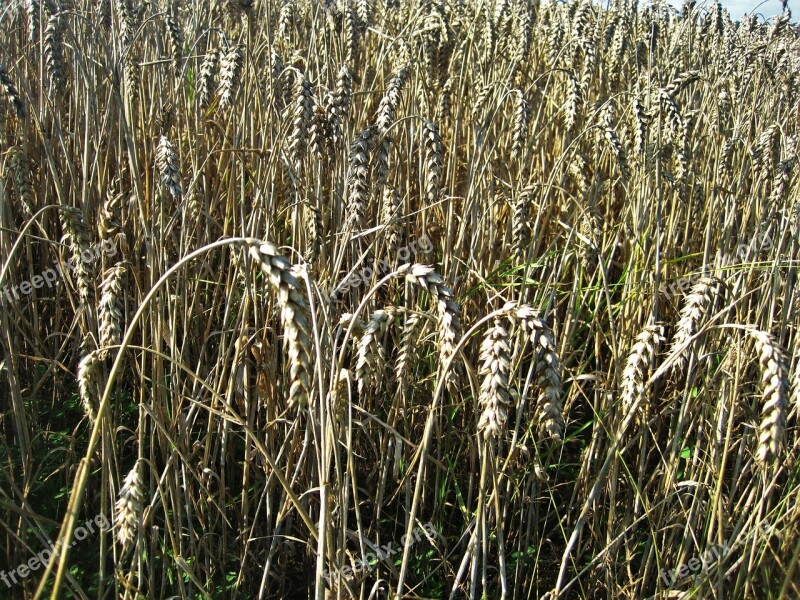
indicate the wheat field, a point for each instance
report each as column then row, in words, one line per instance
column 398, row 299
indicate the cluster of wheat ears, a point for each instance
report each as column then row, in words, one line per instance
column 254, row 429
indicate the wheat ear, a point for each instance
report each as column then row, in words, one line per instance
column 129, row 507
column 694, row 311
column 293, row 316
column 775, row 381
column 638, row 364
column 449, row 311
column 549, row 405
column 494, row 399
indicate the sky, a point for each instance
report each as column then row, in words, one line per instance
column 737, row 8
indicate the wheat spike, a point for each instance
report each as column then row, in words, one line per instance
column 54, row 53
column 449, row 311
column 293, row 317
column 638, row 364
column 406, row 353
column 175, row 37
column 205, row 81
column 229, row 72
column 519, row 135
column 387, row 109
column 128, row 508
column 350, row 36
column 20, row 171
column 775, row 381
column 549, row 406
column 358, row 179
column 338, row 104
column 285, row 21
column 698, row 303
column 370, row 355
column 390, row 218
column 32, row 10
column 110, row 308
column 167, row 164
column 433, row 162
column 13, row 95
column 573, row 103
column 302, row 117
column 109, row 222
column 320, row 132
column 494, row 399
column 76, row 234
column 520, row 226
column 87, row 383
